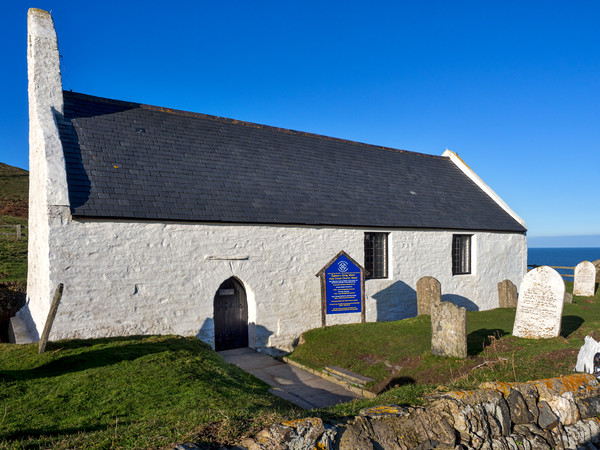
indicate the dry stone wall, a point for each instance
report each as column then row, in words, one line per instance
column 554, row 413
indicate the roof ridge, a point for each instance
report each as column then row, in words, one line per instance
column 247, row 124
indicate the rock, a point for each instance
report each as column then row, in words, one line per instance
column 547, row 419
column 537, row 437
column 561, row 413
column 478, row 415
column 565, row 408
column 589, row 407
column 375, row 412
column 353, row 436
column 519, row 412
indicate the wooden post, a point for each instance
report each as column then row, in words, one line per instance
column 363, row 313
column 323, row 301
column 50, row 319
column 18, row 232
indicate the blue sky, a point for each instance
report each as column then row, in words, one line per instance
column 513, row 87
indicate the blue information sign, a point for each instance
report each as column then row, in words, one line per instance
column 343, row 287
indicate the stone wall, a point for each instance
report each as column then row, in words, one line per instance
column 544, row 414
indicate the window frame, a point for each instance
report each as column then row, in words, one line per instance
column 462, row 254
column 376, row 265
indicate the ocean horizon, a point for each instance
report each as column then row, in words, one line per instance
column 561, row 256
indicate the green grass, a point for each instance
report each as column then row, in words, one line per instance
column 397, row 354
column 13, row 252
column 14, row 183
column 135, row 392
column 14, row 187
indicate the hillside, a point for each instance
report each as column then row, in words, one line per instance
column 14, row 191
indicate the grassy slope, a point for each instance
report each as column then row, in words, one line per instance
column 397, row 354
column 135, row 392
column 14, row 188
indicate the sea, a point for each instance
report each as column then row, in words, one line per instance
column 564, row 256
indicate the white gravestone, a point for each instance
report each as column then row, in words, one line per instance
column 586, row 356
column 585, row 279
column 540, row 304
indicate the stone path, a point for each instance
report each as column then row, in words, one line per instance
column 291, row 383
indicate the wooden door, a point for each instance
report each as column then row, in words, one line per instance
column 231, row 316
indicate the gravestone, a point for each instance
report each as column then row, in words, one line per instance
column 540, row 304
column 429, row 292
column 448, row 330
column 568, row 297
column 585, row 279
column 597, row 266
column 507, row 294
column 587, row 357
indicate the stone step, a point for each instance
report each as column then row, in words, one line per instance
column 347, row 375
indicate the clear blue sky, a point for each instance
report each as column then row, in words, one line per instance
column 513, row 87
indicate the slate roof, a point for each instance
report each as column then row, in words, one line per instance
column 132, row 161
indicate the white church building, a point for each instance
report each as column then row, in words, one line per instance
column 160, row 221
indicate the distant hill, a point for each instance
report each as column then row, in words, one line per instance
column 14, row 191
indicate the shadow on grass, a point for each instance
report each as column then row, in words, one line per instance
column 397, row 382
column 478, row 340
column 26, row 434
column 88, row 356
column 569, row 325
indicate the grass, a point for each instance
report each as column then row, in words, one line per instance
column 157, row 391
column 14, row 187
column 397, row 354
column 13, row 252
column 135, row 392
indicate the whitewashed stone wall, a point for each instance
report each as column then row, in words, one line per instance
column 47, row 180
column 125, row 278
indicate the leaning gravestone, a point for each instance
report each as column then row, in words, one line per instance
column 585, row 279
column 540, row 305
column 429, row 292
column 507, row 294
column 448, row 330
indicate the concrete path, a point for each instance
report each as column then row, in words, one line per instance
column 291, row 383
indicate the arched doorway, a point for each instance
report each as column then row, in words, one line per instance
column 231, row 316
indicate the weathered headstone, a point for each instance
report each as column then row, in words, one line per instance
column 540, row 305
column 507, row 294
column 448, row 330
column 429, row 292
column 597, row 266
column 585, row 279
column 568, row 297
